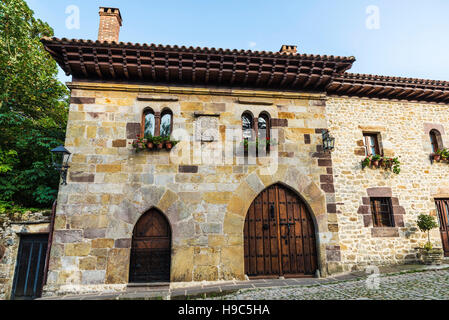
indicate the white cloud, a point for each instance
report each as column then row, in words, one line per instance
column 252, row 44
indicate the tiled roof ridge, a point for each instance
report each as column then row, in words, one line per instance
column 393, row 79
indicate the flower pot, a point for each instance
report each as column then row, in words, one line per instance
column 388, row 164
column 169, row 145
column 150, row 145
column 376, row 163
column 437, row 157
column 160, row 146
column 431, row 257
column 140, row 146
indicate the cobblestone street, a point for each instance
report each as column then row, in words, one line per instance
column 429, row 285
column 406, row 282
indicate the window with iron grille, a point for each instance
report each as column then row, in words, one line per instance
column 382, row 212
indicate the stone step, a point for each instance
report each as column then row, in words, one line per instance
column 152, row 286
column 149, row 284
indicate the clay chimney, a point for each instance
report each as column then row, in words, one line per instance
column 110, row 23
column 288, row 49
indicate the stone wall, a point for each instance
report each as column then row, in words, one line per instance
column 11, row 227
column 110, row 185
column 404, row 128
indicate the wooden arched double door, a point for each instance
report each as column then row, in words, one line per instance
column 279, row 235
column 151, row 249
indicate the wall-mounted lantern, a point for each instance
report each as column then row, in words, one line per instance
column 328, row 141
column 60, row 157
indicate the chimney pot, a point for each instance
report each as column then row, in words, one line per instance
column 289, row 49
column 110, row 23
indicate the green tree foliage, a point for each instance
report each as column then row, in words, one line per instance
column 426, row 223
column 33, row 108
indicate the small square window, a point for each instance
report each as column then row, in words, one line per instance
column 371, row 142
column 382, row 212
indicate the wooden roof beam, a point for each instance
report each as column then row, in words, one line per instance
column 66, row 62
column 284, row 78
column 111, row 66
column 207, row 69
column 81, row 61
column 97, row 66
column 273, row 70
column 167, row 70
column 125, row 64
column 153, row 66
column 139, row 65
column 248, row 62
column 259, row 74
column 194, row 62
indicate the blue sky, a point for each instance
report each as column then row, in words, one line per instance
column 410, row 38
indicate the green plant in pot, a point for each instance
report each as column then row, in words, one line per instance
column 139, row 144
column 158, row 142
column 167, row 142
column 366, row 162
column 437, row 155
column 444, row 154
column 375, row 160
column 150, row 143
column 396, row 165
column 170, row 144
column 428, row 254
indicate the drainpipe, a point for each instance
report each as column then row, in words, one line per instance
column 50, row 242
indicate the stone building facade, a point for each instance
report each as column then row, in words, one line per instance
column 404, row 130
column 207, row 185
column 14, row 228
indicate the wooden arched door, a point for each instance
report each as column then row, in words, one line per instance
column 279, row 236
column 151, row 249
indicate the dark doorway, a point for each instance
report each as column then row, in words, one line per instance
column 30, row 265
column 151, row 249
column 279, row 235
column 443, row 215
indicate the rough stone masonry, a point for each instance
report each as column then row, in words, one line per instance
column 110, row 186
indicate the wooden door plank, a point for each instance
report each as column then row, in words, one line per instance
column 258, row 214
column 266, row 233
column 246, row 244
column 290, row 198
column 276, row 207
column 252, row 243
column 443, row 214
column 151, row 249
column 306, row 243
column 274, row 230
column 284, row 231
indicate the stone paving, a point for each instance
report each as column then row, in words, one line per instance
column 408, row 282
column 424, row 285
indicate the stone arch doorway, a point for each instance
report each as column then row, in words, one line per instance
column 279, row 235
column 151, row 249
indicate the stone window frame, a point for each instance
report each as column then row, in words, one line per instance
column 435, row 138
column 378, row 215
column 253, row 125
column 398, row 213
column 157, row 120
column 255, row 122
column 378, row 142
column 435, row 127
column 267, row 117
column 166, row 111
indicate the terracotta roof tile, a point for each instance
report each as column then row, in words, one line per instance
column 156, row 63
